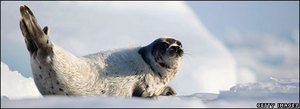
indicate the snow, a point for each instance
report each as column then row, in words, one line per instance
column 15, row 86
column 248, row 94
column 113, row 102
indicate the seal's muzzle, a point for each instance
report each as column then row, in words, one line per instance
column 175, row 50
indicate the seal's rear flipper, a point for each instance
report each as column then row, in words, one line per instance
column 35, row 37
column 28, row 40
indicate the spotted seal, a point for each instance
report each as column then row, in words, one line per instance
column 136, row 71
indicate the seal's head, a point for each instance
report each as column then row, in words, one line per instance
column 165, row 49
column 164, row 52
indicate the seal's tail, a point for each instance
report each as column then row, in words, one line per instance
column 35, row 37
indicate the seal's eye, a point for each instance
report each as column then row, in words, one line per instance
column 164, row 45
column 179, row 43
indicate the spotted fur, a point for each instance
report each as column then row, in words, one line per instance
column 138, row 71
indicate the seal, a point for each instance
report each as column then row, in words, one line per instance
column 137, row 71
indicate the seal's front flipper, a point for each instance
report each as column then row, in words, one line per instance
column 168, row 91
column 35, row 37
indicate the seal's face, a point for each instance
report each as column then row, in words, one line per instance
column 167, row 47
column 167, row 51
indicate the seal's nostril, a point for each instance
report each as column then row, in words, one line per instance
column 175, row 48
column 180, row 52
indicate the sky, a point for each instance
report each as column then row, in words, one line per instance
column 279, row 18
column 263, row 36
column 226, row 43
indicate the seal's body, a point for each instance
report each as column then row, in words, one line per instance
column 138, row 71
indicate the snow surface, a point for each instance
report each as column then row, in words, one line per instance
column 15, row 86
